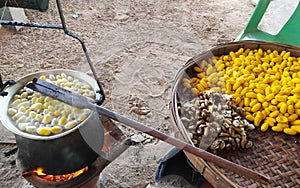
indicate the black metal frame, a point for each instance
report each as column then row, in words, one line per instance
column 67, row 32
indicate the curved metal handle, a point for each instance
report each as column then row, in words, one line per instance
column 3, row 86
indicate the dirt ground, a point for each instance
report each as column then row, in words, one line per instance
column 137, row 47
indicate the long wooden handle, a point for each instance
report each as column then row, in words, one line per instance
column 238, row 169
column 82, row 102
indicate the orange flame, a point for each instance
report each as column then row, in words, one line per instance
column 58, row 178
column 39, row 172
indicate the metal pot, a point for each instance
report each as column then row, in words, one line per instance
column 62, row 153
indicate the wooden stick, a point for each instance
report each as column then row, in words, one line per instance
column 79, row 101
column 238, row 169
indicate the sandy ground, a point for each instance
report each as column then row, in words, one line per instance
column 136, row 47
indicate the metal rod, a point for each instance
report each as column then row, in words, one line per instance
column 69, row 33
column 31, row 24
column 1, row 83
column 83, row 47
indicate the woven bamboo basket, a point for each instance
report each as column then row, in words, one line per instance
column 275, row 155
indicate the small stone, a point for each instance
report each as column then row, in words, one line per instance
column 76, row 15
column 208, row 29
column 138, row 138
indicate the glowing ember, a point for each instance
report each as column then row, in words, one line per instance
column 57, row 178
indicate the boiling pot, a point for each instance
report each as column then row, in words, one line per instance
column 61, row 153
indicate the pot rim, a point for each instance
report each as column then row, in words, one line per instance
column 5, row 101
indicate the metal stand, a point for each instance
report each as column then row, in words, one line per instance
column 67, row 32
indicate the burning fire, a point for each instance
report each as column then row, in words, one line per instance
column 57, row 178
